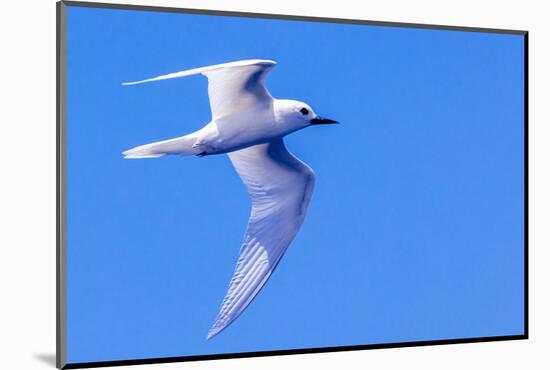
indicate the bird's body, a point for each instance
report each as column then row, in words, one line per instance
column 236, row 131
column 249, row 125
column 262, row 125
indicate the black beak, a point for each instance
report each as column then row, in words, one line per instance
column 321, row 121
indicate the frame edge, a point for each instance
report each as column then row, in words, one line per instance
column 61, row 276
column 526, row 183
column 290, row 17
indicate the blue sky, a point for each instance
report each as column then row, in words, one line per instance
column 415, row 228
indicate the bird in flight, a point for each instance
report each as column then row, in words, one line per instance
column 248, row 124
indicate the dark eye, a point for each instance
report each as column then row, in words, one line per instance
column 304, row 111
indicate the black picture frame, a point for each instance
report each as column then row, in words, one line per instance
column 61, row 355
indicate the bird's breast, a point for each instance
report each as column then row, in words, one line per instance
column 244, row 130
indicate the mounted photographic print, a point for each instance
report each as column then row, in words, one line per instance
column 235, row 184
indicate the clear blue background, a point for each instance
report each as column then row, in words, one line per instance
column 415, row 229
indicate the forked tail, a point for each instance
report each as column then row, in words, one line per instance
column 181, row 146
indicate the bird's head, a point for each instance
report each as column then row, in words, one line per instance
column 296, row 115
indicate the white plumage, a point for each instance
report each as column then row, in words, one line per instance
column 248, row 125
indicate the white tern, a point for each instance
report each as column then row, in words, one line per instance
column 249, row 125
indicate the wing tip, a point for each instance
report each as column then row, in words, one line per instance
column 133, row 83
column 213, row 332
column 267, row 62
column 264, row 62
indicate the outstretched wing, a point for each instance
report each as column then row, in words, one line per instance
column 232, row 87
column 280, row 186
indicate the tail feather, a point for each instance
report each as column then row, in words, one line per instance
column 181, row 145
